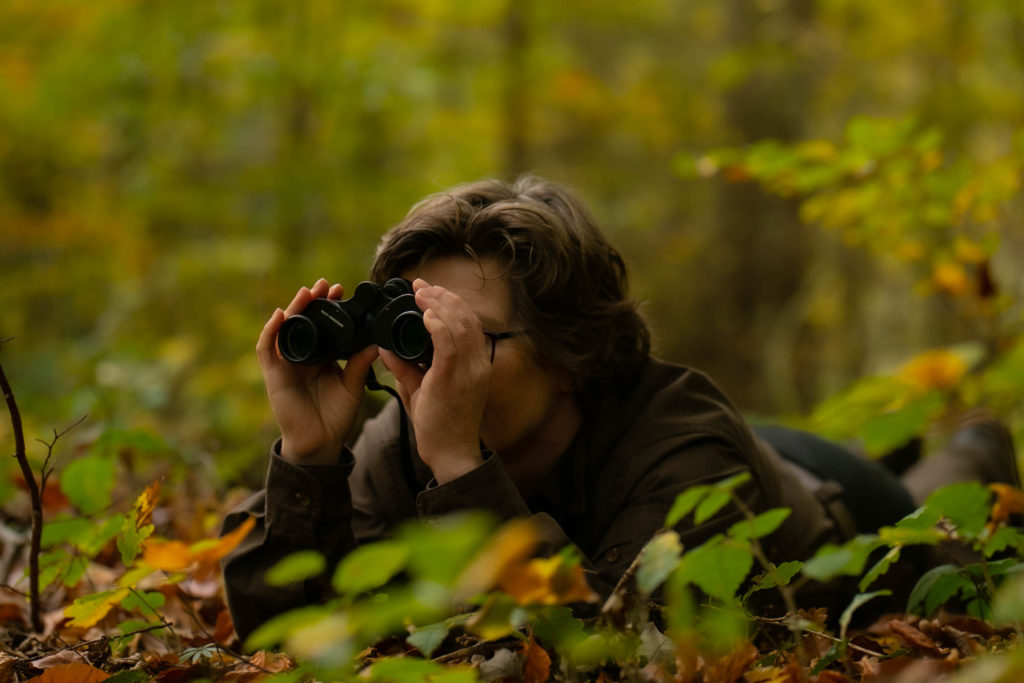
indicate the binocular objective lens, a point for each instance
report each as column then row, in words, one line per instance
column 297, row 339
column 410, row 337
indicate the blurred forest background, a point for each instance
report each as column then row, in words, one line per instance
column 808, row 191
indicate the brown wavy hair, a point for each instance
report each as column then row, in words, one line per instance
column 568, row 284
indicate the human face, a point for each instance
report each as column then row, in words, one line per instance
column 531, row 412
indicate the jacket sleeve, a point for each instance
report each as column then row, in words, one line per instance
column 301, row 508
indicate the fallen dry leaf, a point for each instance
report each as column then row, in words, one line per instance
column 537, row 666
column 71, row 673
column 729, row 667
column 914, row 637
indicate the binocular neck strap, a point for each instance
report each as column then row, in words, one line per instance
column 405, row 450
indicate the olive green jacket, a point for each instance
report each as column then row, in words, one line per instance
column 607, row 495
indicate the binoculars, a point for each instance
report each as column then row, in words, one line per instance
column 385, row 315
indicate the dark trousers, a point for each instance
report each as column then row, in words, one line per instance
column 874, row 496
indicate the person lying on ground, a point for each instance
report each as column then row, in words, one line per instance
column 541, row 399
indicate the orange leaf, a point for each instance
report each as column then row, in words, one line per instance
column 537, row 666
column 225, row 544
column 175, row 556
column 939, row 369
column 1009, row 501
column 170, row 556
column 71, row 673
column 546, row 581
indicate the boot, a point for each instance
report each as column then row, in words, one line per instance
column 981, row 450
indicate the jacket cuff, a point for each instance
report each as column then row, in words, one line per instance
column 301, row 497
column 488, row 487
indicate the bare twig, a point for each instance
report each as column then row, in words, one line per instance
column 45, row 471
column 34, row 495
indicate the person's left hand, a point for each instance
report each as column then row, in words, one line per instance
column 446, row 401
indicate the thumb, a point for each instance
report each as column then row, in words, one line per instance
column 409, row 375
column 357, row 368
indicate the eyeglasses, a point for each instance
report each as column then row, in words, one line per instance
column 495, row 337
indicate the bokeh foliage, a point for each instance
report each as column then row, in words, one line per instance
column 172, row 171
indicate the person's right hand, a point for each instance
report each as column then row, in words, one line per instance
column 315, row 407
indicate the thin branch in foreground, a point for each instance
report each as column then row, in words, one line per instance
column 35, row 497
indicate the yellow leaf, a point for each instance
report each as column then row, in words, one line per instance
column 968, row 251
column 88, row 610
column 146, row 503
column 951, row 278
column 510, row 546
column 546, row 581
column 76, row 672
column 939, row 369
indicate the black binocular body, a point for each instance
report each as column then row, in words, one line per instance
column 385, row 315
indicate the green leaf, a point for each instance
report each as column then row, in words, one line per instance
column 370, row 566
column 130, row 676
column 897, row 535
column 888, row 430
column 717, row 568
column 712, row 503
column 296, row 567
column 147, row 603
column 88, row 483
column 1008, row 604
column 441, row 548
column 684, row 504
column 657, row 560
column 858, row 600
column 556, row 626
column 965, row 504
column 880, row 568
column 102, row 536
column 760, row 526
column 780, row 575
column 426, row 639
column 848, row 559
column 403, row 670
column 129, row 541
column 75, row 530
column 277, row 629
column 935, row 587
column 1004, row 537
column 718, row 497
